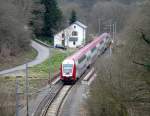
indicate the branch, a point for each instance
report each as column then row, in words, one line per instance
column 143, row 36
column 142, row 64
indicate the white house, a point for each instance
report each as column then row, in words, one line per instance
column 73, row 36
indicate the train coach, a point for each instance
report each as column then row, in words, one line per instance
column 75, row 65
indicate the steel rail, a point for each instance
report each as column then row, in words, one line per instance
column 48, row 98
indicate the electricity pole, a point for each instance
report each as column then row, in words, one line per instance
column 99, row 25
column 115, row 30
column 110, row 26
column 50, row 66
column 113, row 33
column 17, row 97
column 27, row 85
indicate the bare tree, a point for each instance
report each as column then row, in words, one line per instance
column 122, row 87
column 14, row 29
column 107, row 13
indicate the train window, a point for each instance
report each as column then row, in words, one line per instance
column 101, row 42
column 93, row 49
column 82, row 59
column 67, row 65
column 67, row 68
column 88, row 57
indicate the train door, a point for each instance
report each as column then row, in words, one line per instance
column 82, row 65
column 93, row 54
column 102, row 47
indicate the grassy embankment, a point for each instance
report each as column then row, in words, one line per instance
column 38, row 77
column 52, row 64
column 21, row 58
column 39, row 74
column 7, row 84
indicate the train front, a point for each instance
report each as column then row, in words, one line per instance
column 68, row 71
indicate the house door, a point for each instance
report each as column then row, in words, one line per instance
column 63, row 42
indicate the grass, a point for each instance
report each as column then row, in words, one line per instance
column 38, row 78
column 38, row 75
column 21, row 58
column 7, row 93
column 52, row 64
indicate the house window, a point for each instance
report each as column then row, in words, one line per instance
column 63, row 42
column 63, row 35
column 74, row 43
column 74, row 33
column 73, row 39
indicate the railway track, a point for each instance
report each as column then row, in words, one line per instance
column 97, row 46
column 54, row 105
column 48, row 99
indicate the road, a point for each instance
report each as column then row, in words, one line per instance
column 43, row 54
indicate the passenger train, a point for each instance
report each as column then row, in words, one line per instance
column 75, row 65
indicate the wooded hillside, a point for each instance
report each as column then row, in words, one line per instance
column 23, row 20
column 122, row 87
column 14, row 32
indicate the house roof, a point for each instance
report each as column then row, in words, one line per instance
column 80, row 24
column 77, row 23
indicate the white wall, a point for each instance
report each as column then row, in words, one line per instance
column 68, row 33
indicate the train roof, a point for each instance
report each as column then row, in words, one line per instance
column 83, row 50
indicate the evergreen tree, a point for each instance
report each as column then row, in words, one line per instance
column 73, row 17
column 37, row 22
column 52, row 17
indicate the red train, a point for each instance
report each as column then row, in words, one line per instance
column 75, row 65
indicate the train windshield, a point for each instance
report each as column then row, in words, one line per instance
column 67, row 68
